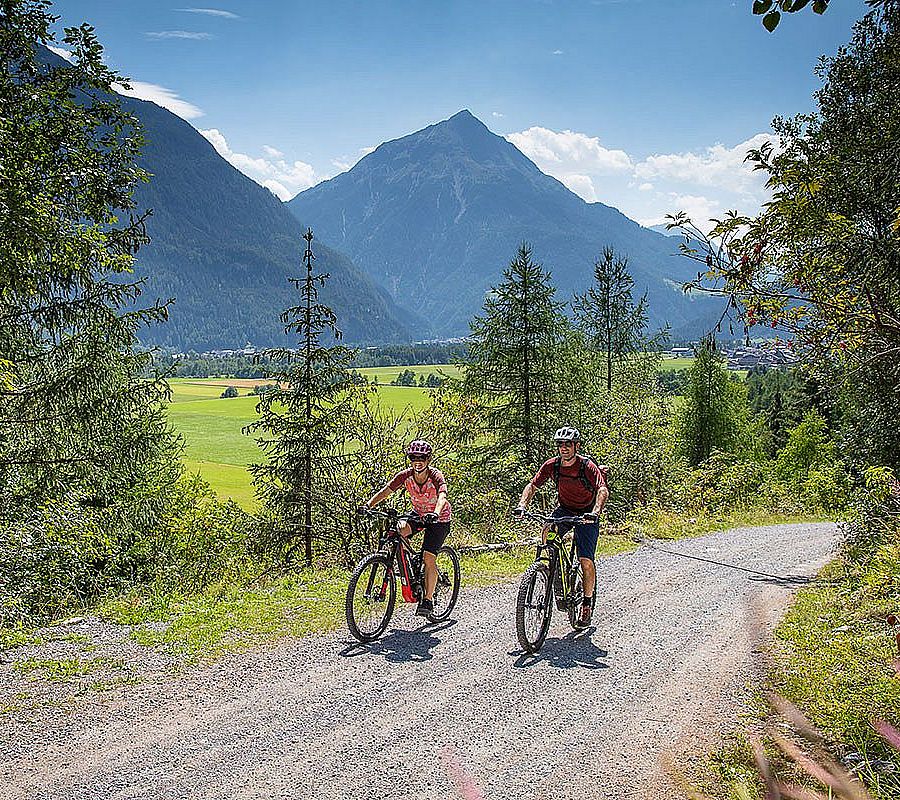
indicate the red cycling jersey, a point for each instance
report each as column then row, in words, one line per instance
column 573, row 494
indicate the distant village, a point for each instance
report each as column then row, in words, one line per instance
column 769, row 353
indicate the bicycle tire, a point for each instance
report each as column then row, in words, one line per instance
column 539, row 607
column 446, row 583
column 381, row 618
column 576, row 584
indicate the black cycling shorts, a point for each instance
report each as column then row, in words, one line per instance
column 436, row 534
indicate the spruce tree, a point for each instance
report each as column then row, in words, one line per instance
column 715, row 415
column 516, row 367
column 302, row 421
column 607, row 313
column 78, row 417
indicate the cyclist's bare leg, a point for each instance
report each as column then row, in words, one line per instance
column 430, row 573
column 544, row 532
column 589, row 576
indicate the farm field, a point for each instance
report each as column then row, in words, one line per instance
column 212, row 427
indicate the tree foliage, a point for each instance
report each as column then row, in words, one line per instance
column 516, row 365
column 715, row 414
column 607, row 313
column 301, row 423
column 822, row 260
column 77, row 416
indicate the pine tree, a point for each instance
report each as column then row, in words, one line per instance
column 715, row 415
column 302, row 422
column 516, row 366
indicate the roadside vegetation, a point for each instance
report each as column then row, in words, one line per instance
column 98, row 510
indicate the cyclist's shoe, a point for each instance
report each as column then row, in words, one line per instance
column 424, row 608
column 584, row 618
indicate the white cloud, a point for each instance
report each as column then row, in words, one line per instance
column 558, row 52
column 196, row 35
column 717, row 167
column 61, row 52
column 212, row 12
column 582, row 185
column 704, row 183
column 699, row 208
column 162, row 97
column 497, row 114
column 281, row 177
column 568, row 152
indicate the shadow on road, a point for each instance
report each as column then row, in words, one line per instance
column 790, row 581
column 575, row 649
column 400, row 645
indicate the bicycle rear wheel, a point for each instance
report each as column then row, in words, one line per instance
column 447, row 589
column 533, row 607
column 371, row 595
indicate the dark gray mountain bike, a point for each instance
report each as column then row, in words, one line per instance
column 556, row 572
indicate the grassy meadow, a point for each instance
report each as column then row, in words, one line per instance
column 211, row 425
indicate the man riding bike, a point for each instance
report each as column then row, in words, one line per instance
column 581, row 491
column 427, row 491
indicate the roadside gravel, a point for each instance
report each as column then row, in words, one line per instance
column 665, row 668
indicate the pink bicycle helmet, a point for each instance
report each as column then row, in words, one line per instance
column 419, row 448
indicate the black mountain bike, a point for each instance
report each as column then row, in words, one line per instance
column 556, row 571
column 372, row 591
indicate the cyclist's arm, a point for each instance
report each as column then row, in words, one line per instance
column 602, row 497
column 527, row 494
column 441, row 502
column 381, row 494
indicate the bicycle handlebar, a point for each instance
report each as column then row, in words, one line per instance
column 391, row 514
column 545, row 518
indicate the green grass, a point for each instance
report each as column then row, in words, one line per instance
column 64, row 669
column 673, row 364
column 212, row 429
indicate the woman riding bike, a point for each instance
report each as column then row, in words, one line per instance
column 427, row 491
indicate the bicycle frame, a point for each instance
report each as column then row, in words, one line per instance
column 399, row 551
column 560, row 564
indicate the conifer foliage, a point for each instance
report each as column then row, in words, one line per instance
column 516, row 364
column 77, row 417
column 302, row 423
column 609, row 316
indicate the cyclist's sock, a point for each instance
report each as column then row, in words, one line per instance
column 588, row 600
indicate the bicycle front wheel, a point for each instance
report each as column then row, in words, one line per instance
column 533, row 607
column 576, row 592
column 371, row 595
column 447, row 589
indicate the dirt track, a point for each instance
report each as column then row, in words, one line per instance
column 664, row 668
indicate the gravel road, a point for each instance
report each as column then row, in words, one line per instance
column 450, row 710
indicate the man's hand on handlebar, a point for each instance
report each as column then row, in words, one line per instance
column 590, row 517
column 518, row 512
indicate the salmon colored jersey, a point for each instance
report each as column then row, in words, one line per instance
column 424, row 497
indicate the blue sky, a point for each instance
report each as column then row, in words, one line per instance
column 646, row 105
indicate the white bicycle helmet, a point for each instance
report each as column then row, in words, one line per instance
column 567, row 434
